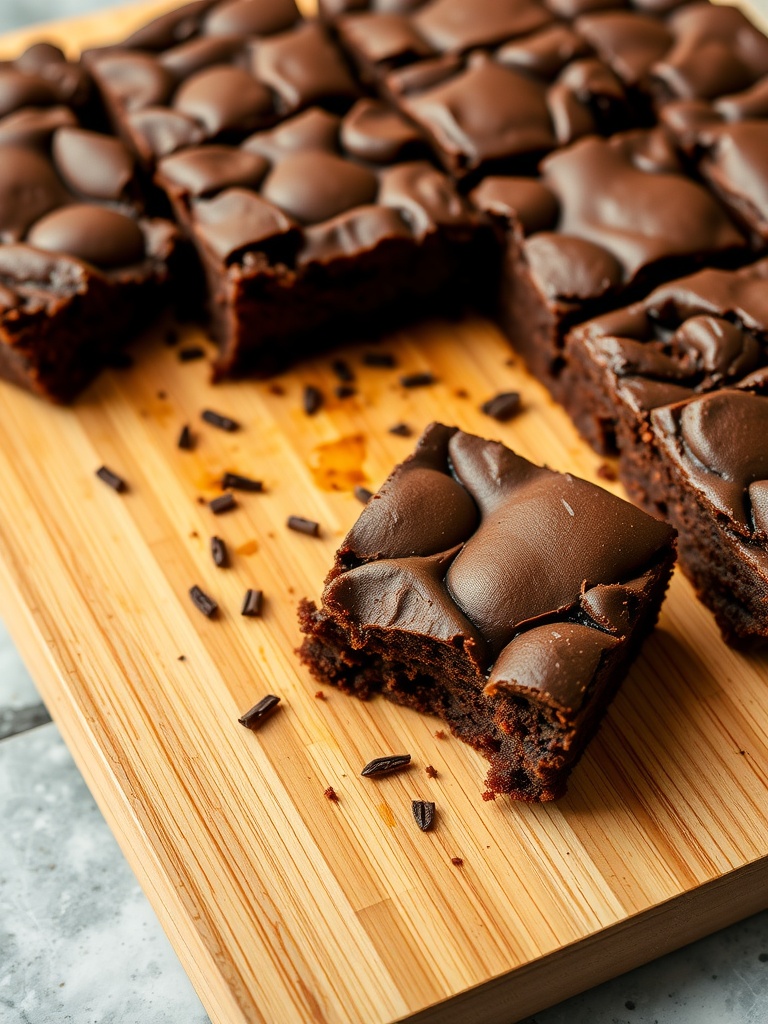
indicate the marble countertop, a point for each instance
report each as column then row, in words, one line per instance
column 80, row 944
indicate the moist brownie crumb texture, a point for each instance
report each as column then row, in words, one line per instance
column 512, row 611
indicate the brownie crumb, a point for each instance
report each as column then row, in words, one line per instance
column 440, row 734
column 112, row 479
column 189, row 355
column 401, row 430
column 219, row 552
column 182, row 657
column 503, row 407
column 385, row 765
column 331, row 794
column 200, row 500
column 417, row 380
column 343, row 371
column 216, row 419
column 252, row 603
column 186, row 442
column 276, row 389
column 423, row 814
column 605, row 471
column 252, row 719
column 457, row 861
column 203, row 602
column 312, row 399
column 363, row 495
column 302, row 525
column 489, row 795
column 461, row 393
column 224, row 503
column 320, row 695
column 431, row 772
column 385, row 360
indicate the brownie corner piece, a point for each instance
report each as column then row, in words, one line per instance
column 512, row 611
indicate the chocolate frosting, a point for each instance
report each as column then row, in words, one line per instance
column 537, row 574
column 94, row 234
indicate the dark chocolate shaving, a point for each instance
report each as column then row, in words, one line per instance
column 235, row 482
column 423, row 814
column 186, row 441
column 222, row 422
column 401, row 430
column 301, row 525
column 219, row 552
column 189, row 355
column 503, row 407
column 363, row 495
column 417, row 380
column 253, row 719
column 312, row 400
column 384, row 360
column 112, row 479
column 385, row 765
column 252, row 603
column 224, row 503
column 202, row 602
column 343, row 371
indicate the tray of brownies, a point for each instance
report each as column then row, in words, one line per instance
column 367, row 371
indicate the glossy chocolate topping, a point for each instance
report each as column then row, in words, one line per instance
column 320, row 187
column 42, row 77
column 219, row 72
column 719, row 441
column 537, row 574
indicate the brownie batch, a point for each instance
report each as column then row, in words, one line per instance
column 592, row 173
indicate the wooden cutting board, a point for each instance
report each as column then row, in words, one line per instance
column 284, row 906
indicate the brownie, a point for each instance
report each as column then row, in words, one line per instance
column 693, row 335
column 217, row 72
column 727, row 141
column 605, row 221
column 710, row 475
column 486, row 98
column 322, row 228
column 81, row 269
column 513, row 610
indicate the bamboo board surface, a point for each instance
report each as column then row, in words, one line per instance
column 283, row 906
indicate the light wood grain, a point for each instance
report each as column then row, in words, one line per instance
column 283, row 906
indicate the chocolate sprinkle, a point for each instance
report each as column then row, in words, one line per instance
column 186, row 442
column 382, row 359
column 112, row 479
column 344, row 391
column 401, row 430
column 343, row 371
column 385, row 765
column 423, row 813
column 503, row 407
column 202, row 602
column 301, row 525
column 363, row 495
column 219, row 552
column 224, row 503
column 235, row 482
column 252, row 603
column 222, row 422
column 188, row 355
column 417, row 380
column 313, row 399
column 252, row 719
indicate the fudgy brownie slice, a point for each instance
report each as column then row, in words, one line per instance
column 727, row 141
column 218, row 71
column 504, row 597
column 606, row 220
column 81, row 269
column 709, row 473
column 321, row 228
column 692, row 335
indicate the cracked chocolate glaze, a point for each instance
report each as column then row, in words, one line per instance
column 719, row 443
column 533, row 573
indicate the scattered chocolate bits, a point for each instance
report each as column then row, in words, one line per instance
column 457, row 862
column 363, row 495
column 253, row 719
column 344, row 391
column 276, row 389
column 343, row 371
column 401, row 430
column 423, row 814
column 302, row 525
column 504, row 406
column 224, row 503
column 417, row 380
column 331, row 794
column 606, row 471
column 236, row 482
column 312, row 400
column 385, row 765
column 202, row 602
column 112, row 479
column 383, row 359
column 440, row 734
column 189, row 355
column 216, row 419
column 186, row 441
column 320, row 695
column 219, row 552
column 252, row 603
column 431, row 772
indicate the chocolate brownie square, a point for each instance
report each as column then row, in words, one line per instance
column 605, row 221
column 218, row 71
column 727, row 142
column 709, row 472
column 323, row 228
column 693, row 335
column 81, row 268
column 506, row 598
